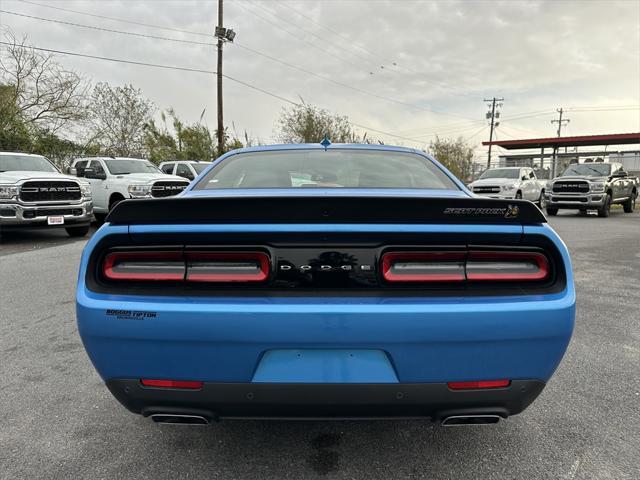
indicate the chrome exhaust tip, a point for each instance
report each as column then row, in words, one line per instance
column 464, row 420
column 175, row 419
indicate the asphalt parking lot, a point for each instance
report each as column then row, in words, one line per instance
column 59, row 421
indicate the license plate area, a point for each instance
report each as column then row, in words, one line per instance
column 325, row 366
column 55, row 220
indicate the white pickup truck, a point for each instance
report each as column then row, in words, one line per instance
column 510, row 182
column 33, row 193
column 115, row 179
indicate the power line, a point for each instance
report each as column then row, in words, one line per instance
column 116, row 19
column 210, row 72
column 109, row 30
column 275, row 59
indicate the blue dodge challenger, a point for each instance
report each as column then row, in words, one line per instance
column 326, row 281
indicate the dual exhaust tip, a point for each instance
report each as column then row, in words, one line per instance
column 451, row 421
column 464, row 420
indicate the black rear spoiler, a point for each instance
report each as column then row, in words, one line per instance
column 325, row 209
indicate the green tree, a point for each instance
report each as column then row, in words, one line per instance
column 455, row 154
column 119, row 117
column 308, row 124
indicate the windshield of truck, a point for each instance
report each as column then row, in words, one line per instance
column 28, row 163
column 126, row 166
column 501, row 173
column 588, row 170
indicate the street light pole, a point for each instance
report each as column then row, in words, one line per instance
column 494, row 124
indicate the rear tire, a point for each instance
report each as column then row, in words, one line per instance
column 552, row 212
column 605, row 210
column 77, row 231
column 630, row 205
column 518, row 196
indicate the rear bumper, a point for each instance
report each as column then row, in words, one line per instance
column 268, row 400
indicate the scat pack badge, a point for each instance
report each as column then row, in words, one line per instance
column 511, row 211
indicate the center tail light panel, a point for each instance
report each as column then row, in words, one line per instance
column 428, row 267
column 186, row 266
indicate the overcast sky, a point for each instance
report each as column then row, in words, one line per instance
column 409, row 68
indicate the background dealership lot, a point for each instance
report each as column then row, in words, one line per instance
column 59, row 421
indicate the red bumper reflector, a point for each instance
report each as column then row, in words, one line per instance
column 478, row 385
column 179, row 384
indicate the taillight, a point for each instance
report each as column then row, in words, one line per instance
column 504, row 266
column 222, row 267
column 471, row 266
column 479, row 385
column 178, row 384
column 178, row 266
column 423, row 266
column 144, row 266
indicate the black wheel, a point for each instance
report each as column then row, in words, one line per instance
column 77, row 231
column 630, row 205
column 552, row 211
column 605, row 210
column 518, row 195
column 116, row 199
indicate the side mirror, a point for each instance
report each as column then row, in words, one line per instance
column 620, row 174
column 91, row 173
column 524, row 177
column 72, row 171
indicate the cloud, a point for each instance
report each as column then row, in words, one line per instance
column 448, row 56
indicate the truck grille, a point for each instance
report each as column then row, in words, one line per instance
column 484, row 189
column 571, row 187
column 47, row 191
column 167, row 189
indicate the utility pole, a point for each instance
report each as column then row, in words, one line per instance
column 223, row 35
column 220, row 35
column 560, row 121
column 492, row 115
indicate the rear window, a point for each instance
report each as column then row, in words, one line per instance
column 326, row 169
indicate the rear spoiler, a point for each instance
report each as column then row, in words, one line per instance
column 325, row 209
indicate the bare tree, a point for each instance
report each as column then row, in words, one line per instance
column 306, row 123
column 118, row 117
column 43, row 93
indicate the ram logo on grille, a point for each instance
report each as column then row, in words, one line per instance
column 42, row 191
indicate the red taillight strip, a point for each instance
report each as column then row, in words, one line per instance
column 473, row 266
column 173, row 260
column 478, row 259
column 254, row 264
column 177, row 384
column 478, row 385
column 429, row 260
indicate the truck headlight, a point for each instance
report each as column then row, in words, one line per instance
column 139, row 190
column 8, row 191
column 506, row 188
column 597, row 187
column 85, row 190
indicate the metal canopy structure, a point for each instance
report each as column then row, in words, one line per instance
column 554, row 144
column 557, row 142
